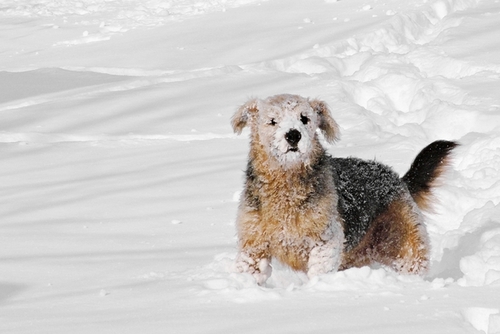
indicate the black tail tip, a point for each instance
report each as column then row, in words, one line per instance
column 427, row 167
column 441, row 147
column 430, row 158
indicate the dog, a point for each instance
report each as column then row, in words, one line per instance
column 318, row 214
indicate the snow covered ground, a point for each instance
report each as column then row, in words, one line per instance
column 120, row 174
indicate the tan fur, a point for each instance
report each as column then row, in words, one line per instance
column 327, row 124
column 395, row 239
column 242, row 115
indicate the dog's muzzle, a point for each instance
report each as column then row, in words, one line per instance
column 293, row 137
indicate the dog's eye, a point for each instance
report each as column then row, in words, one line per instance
column 304, row 119
column 272, row 122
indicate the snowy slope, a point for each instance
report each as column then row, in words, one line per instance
column 120, row 174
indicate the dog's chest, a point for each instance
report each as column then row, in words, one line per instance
column 295, row 209
column 291, row 220
column 290, row 237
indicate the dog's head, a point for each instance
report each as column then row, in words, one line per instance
column 285, row 126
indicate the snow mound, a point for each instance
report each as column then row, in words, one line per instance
column 364, row 279
column 483, row 319
column 467, row 237
column 220, row 279
column 483, row 267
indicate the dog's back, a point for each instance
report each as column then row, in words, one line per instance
column 365, row 189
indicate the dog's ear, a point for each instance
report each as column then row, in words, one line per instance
column 242, row 115
column 327, row 124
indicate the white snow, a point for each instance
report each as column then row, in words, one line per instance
column 120, row 174
column 483, row 319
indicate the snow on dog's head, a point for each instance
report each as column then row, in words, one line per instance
column 285, row 127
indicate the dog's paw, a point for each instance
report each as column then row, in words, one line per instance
column 323, row 259
column 260, row 269
column 244, row 263
column 264, row 271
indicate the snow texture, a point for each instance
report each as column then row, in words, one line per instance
column 120, row 173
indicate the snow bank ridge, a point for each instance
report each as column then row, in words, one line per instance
column 403, row 33
column 6, row 137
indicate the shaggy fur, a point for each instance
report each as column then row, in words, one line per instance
column 320, row 214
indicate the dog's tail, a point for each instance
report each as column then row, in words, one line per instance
column 429, row 164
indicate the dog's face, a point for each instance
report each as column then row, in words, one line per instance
column 285, row 126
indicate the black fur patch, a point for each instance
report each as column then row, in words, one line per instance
column 252, row 187
column 365, row 189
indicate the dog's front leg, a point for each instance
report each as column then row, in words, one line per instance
column 254, row 257
column 258, row 266
column 326, row 256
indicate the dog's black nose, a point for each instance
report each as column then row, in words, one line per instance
column 293, row 137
